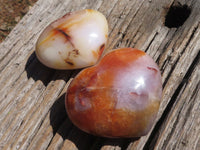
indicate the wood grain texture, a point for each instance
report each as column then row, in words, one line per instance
column 32, row 111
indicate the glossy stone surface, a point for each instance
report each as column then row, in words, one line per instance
column 74, row 41
column 118, row 97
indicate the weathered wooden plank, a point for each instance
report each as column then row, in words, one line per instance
column 32, row 103
column 181, row 127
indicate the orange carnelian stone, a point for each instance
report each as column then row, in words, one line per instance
column 118, row 97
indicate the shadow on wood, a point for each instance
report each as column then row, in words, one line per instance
column 36, row 70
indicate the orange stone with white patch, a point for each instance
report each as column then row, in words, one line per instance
column 118, row 97
column 74, row 41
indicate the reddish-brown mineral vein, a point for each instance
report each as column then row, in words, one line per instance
column 65, row 35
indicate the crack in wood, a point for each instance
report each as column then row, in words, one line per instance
column 127, row 25
column 190, row 39
column 175, row 63
column 151, row 41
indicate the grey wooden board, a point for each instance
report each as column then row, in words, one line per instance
column 32, row 112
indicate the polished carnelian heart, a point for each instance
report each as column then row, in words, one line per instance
column 118, row 97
